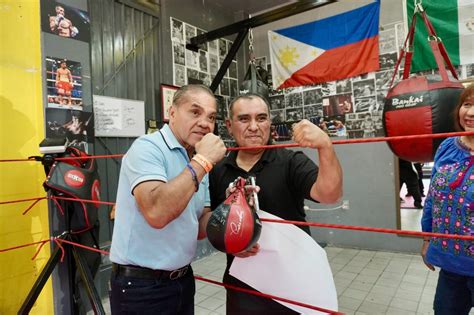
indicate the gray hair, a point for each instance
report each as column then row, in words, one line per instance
column 185, row 89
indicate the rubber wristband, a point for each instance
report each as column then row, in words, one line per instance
column 201, row 160
column 193, row 174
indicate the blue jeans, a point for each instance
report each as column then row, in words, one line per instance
column 454, row 294
column 152, row 296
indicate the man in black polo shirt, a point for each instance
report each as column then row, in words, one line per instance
column 285, row 178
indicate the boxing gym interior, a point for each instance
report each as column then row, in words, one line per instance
column 81, row 80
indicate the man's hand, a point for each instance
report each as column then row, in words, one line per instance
column 249, row 191
column 251, row 252
column 424, row 250
column 211, row 147
column 309, row 135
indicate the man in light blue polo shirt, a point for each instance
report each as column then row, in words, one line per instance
column 163, row 207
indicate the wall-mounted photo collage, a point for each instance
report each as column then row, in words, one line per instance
column 201, row 67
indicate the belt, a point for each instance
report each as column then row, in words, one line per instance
column 146, row 273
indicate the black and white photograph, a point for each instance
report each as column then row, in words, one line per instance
column 387, row 41
column 204, row 45
column 179, row 53
column 313, row 111
column 294, row 114
column 222, row 47
column 401, row 34
column 233, row 70
column 364, row 76
column 343, row 86
column 328, row 88
column 213, row 64
column 366, row 104
column 277, row 116
column 221, row 107
column 179, row 75
column 234, row 89
column 192, row 59
column 203, row 61
column 470, row 70
column 382, row 79
column 177, row 31
column 64, row 83
column 64, row 21
column 313, row 96
column 378, row 124
column 205, row 78
column 213, row 47
column 277, row 101
column 189, row 32
column 294, row 99
column 225, row 88
column 381, row 99
column 193, row 76
column 74, row 125
column 363, row 88
column 261, row 62
column 388, row 61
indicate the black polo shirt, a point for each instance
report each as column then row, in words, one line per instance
column 285, row 178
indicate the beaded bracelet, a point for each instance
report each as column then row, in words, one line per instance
column 193, row 174
column 201, row 160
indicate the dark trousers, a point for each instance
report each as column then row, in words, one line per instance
column 152, row 296
column 409, row 177
column 454, row 294
column 244, row 303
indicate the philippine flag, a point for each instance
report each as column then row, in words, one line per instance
column 329, row 49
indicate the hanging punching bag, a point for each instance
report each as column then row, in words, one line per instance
column 421, row 104
column 253, row 82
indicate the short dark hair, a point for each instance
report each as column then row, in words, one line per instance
column 468, row 92
column 248, row 96
column 185, row 89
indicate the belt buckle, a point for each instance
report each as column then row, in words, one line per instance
column 178, row 273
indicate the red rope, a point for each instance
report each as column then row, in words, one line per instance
column 363, row 140
column 370, row 229
column 21, row 246
column 21, row 200
column 316, row 224
column 289, row 145
column 268, row 296
column 83, row 200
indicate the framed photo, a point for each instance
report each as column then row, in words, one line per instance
column 167, row 93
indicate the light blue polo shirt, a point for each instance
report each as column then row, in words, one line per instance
column 157, row 156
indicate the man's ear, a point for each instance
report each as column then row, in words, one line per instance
column 172, row 111
column 228, row 124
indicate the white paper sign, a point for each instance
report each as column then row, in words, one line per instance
column 291, row 265
column 117, row 117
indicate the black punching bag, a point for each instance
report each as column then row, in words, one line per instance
column 253, row 82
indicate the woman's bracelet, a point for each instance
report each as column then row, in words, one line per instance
column 201, row 160
column 193, row 174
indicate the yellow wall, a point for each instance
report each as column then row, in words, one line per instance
column 21, row 130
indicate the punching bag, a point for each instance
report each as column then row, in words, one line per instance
column 234, row 226
column 253, row 82
column 421, row 104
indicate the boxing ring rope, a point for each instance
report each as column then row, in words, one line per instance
column 59, row 240
column 285, row 145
